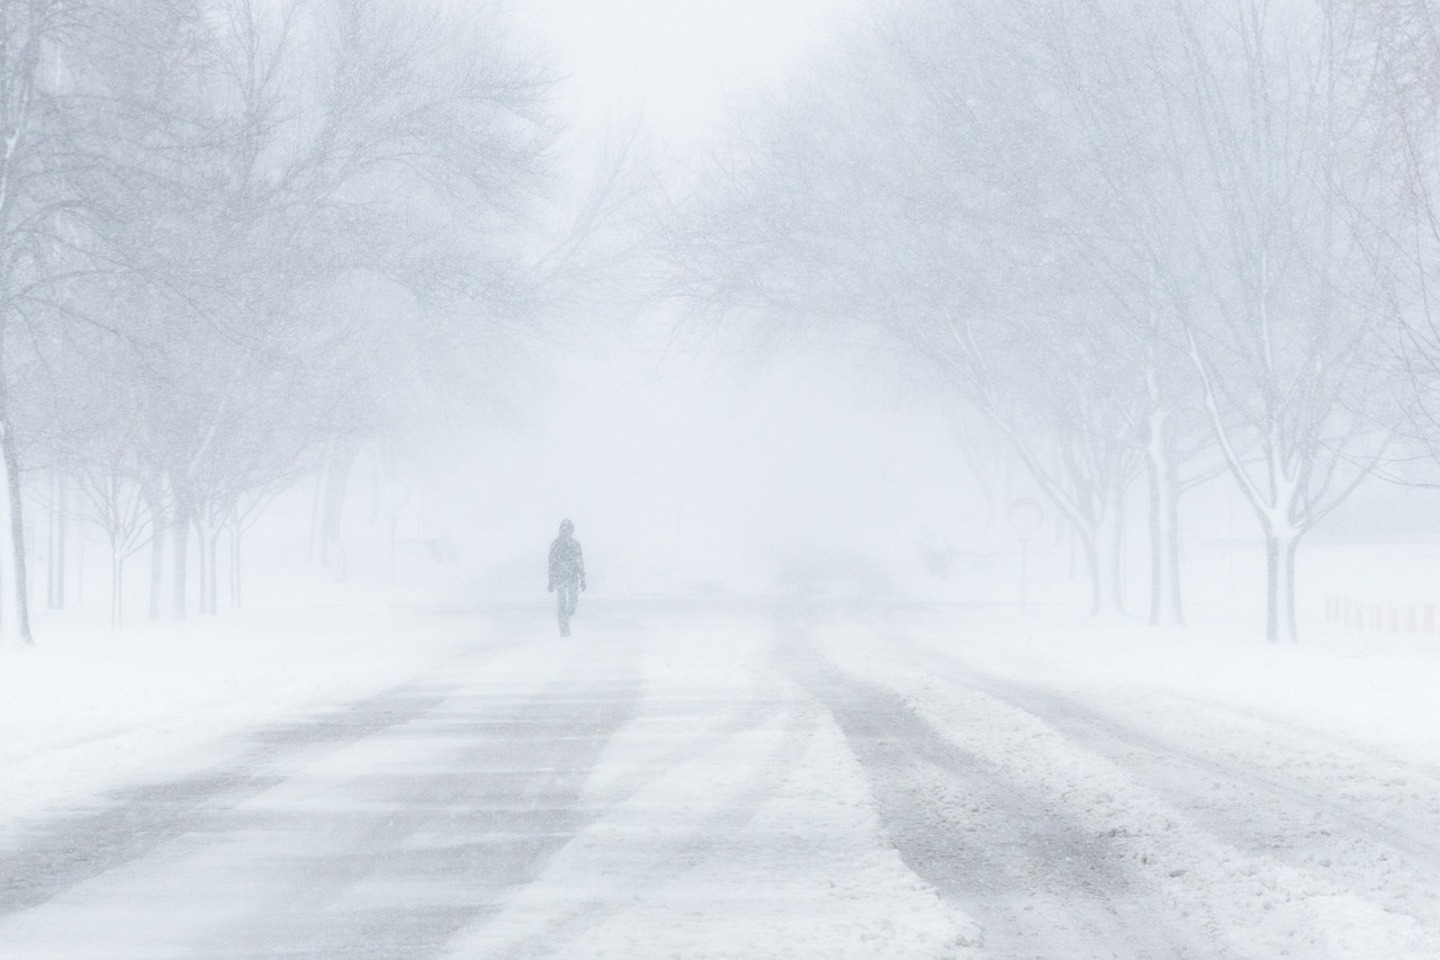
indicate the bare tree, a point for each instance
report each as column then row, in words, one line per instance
column 117, row 505
column 1110, row 225
column 1276, row 161
column 922, row 188
column 1403, row 227
column 323, row 202
column 35, row 155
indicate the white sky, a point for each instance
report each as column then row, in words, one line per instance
column 662, row 463
column 678, row 63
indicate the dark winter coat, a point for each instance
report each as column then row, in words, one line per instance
column 567, row 562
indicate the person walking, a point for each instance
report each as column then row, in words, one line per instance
column 567, row 574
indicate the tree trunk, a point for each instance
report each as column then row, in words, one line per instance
column 1159, row 535
column 1280, row 548
column 1117, row 554
column 337, row 479
column 180, row 536
column 52, row 599
column 116, row 575
column 235, row 567
column 11, row 459
column 154, row 502
column 207, row 551
column 212, row 571
column 1164, row 527
column 1291, row 613
column 80, row 570
column 202, row 561
column 1072, row 568
column 1100, row 545
column 1172, row 524
column 1094, row 567
column 62, row 534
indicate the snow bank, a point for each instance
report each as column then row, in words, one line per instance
column 1376, row 691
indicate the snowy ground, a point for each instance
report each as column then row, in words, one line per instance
column 88, row 708
column 686, row 780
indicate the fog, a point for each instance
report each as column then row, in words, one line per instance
column 745, row 291
column 920, row 479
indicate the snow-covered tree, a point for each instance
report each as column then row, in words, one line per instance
column 1134, row 237
column 1268, row 135
column 278, row 225
column 928, row 187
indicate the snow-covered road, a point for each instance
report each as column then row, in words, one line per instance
column 680, row 781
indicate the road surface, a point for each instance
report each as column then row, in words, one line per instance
column 752, row 782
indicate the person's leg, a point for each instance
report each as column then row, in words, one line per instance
column 563, row 608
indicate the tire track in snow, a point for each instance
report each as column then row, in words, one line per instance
column 1041, row 884
column 1240, row 888
column 45, row 856
column 162, row 827
column 70, row 850
column 1389, row 855
column 666, row 861
column 426, row 854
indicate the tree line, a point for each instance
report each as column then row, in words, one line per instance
column 1137, row 242
column 237, row 239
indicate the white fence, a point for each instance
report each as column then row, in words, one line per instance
column 1380, row 616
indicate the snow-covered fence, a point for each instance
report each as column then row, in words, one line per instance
column 1380, row 616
